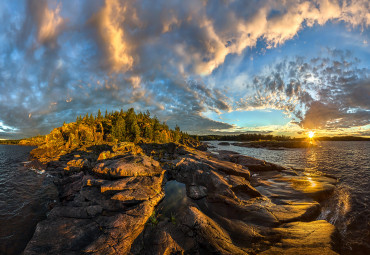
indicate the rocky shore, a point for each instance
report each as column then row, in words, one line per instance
column 109, row 200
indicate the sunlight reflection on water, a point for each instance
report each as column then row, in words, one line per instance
column 348, row 209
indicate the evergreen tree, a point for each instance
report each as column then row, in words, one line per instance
column 99, row 115
column 177, row 134
column 91, row 119
column 119, row 129
column 132, row 128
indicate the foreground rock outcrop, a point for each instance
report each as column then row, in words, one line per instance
column 104, row 205
column 110, row 203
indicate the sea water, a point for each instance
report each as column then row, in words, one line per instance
column 349, row 207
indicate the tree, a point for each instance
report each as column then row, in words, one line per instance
column 119, row 130
column 91, row 119
column 132, row 128
column 177, row 134
column 99, row 115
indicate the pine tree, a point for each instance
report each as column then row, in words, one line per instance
column 91, row 119
column 99, row 115
column 119, row 129
column 177, row 134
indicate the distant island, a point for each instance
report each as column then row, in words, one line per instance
column 274, row 142
column 262, row 137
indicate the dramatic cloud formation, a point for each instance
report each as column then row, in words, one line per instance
column 324, row 92
column 60, row 59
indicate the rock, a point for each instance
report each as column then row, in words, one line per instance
column 62, row 236
column 196, row 192
column 243, row 234
column 129, row 165
column 159, row 242
column 242, row 188
column 120, row 149
column 69, row 186
column 209, row 234
column 295, row 211
column 254, row 212
column 70, row 230
column 76, row 165
column 105, row 155
column 317, row 187
column 105, row 210
column 193, row 172
column 93, row 195
column 76, row 212
column 154, row 182
column 119, row 231
column 224, row 143
column 202, row 147
column 300, row 251
column 134, row 195
column 35, row 164
column 251, row 163
column 202, row 160
column 314, row 237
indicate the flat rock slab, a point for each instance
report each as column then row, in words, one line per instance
column 62, row 236
column 155, row 182
column 314, row 237
column 129, row 165
column 295, row 211
column 226, row 167
column 317, row 187
column 251, row 163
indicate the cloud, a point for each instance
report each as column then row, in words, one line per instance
column 61, row 59
column 109, row 23
column 326, row 92
column 45, row 20
column 197, row 35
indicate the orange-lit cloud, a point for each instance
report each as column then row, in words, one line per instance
column 111, row 34
column 50, row 25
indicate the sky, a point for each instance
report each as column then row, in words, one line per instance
column 211, row 67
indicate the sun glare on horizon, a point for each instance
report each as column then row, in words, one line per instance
column 311, row 134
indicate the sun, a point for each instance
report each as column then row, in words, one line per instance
column 311, row 134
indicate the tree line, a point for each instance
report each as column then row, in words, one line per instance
column 113, row 127
column 244, row 137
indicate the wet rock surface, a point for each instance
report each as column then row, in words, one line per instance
column 110, row 203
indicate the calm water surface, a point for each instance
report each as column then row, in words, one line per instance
column 349, row 207
column 24, row 196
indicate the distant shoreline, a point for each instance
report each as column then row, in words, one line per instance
column 236, row 138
